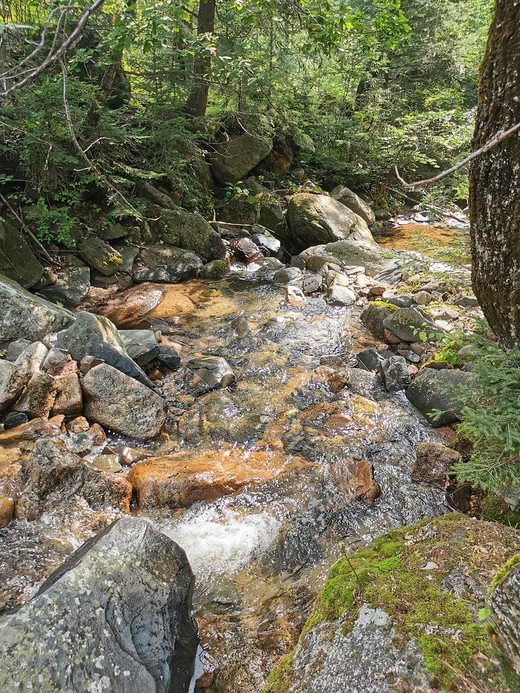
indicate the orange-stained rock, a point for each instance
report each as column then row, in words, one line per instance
column 98, row 434
column 6, row 511
column 37, row 428
column 355, row 478
column 181, row 479
column 79, row 425
column 69, row 399
column 11, row 479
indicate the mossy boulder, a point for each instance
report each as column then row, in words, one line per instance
column 317, row 219
column 407, row 324
column 273, row 218
column 504, row 602
column 241, row 209
column 17, row 261
column 375, row 314
column 100, row 255
column 405, row 614
column 236, row 157
column 189, row 230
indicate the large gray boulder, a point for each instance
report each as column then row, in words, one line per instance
column 189, row 230
column 25, row 315
column 438, row 395
column 355, row 203
column 70, row 288
column 17, row 261
column 116, row 401
column 236, row 157
column 349, row 253
column 318, row 219
column 100, row 255
column 167, row 264
column 95, row 335
column 408, row 323
column 115, row 617
column 504, row 602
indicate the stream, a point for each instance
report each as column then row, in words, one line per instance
column 260, row 555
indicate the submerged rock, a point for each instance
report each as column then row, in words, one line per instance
column 402, row 615
column 116, row 617
column 181, row 479
column 116, row 401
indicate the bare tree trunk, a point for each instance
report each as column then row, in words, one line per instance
column 495, row 179
column 198, row 98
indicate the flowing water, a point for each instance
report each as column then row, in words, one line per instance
column 261, row 554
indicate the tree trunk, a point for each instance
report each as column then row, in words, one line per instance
column 198, row 97
column 495, row 179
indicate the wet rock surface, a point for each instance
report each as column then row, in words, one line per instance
column 117, row 614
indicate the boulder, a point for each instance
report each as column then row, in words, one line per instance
column 53, row 477
column 184, row 478
column 273, row 218
column 402, row 615
column 190, row 231
column 355, row 203
column 32, row 358
column 348, row 253
column 437, row 394
column 167, row 264
column 319, row 219
column 69, row 398
column 70, row 288
column 375, row 315
column 38, row 397
column 236, row 157
column 17, row 261
column 55, row 360
column 288, row 275
column 95, row 335
column 395, row 373
column 115, row 617
column 100, row 255
column 341, row 295
column 245, row 250
column 407, row 323
column 27, row 316
column 267, row 243
column 433, row 463
column 116, row 401
column 241, row 209
column 169, row 357
column 12, row 382
column 140, row 345
column 504, row 603
column 216, row 269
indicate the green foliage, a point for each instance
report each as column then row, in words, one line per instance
column 491, row 421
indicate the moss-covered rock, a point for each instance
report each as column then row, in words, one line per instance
column 190, row 231
column 375, row 314
column 273, row 218
column 405, row 614
column 100, row 255
column 241, row 209
column 17, row 260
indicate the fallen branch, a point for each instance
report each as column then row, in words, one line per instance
column 424, row 204
column 70, row 42
column 499, row 137
column 81, row 151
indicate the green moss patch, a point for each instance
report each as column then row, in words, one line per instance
column 404, row 573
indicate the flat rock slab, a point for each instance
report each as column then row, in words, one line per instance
column 181, row 479
column 115, row 617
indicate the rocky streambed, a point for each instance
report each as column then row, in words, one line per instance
column 259, row 421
